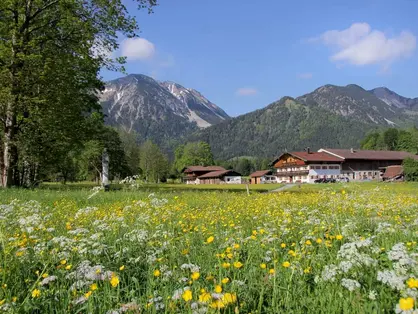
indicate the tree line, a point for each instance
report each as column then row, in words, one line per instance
column 51, row 54
column 396, row 140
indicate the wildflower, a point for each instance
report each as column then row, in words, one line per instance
column 350, row 284
column 36, row 293
column 229, row 298
column 63, row 262
column 283, row 245
column 272, row 271
column 157, row 273
column 308, row 242
column 412, row 283
column 319, row 241
column 210, row 239
column 2, row 301
column 238, row 264
column 122, row 267
column 187, row 295
column 88, row 294
column 114, row 281
column 226, row 265
column 339, row 237
column 44, row 275
column 218, row 289
column 93, row 287
column 307, row 270
column 205, row 297
column 263, row 266
column 225, row 280
column 286, row 264
column 236, row 246
column 195, row 276
column 406, row 304
column 68, row 267
column 217, row 304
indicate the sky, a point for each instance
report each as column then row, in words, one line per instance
column 243, row 55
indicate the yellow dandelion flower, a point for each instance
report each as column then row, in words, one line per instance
column 229, row 298
column 286, row 264
column 319, row 241
column 406, row 304
column 339, row 237
column 157, row 273
column 68, row 267
column 225, row 280
column 88, row 294
column 226, row 265
column 272, row 271
column 93, row 287
column 218, row 289
column 217, row 304
column 36, row 293
column 412, row 283
column 308, row 242
column 114, row 281
column 205, row 297
column 210, row 239
column 195, row 276
column 187, row 295
column 307, row 270
column 63, row 262
column 238, row 264
column 122, row 267
column 236, row 246
column 263, row 266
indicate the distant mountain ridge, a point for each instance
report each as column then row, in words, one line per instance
column 393, row 99
column 163, row 112
column 333, row 116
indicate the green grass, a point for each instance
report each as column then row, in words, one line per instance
column 269, row 252
column 167, row 187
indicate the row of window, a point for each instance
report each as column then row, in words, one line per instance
column 310, row 167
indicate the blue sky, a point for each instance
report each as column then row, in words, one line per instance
column 243, row 55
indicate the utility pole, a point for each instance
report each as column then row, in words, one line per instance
column 105, row 170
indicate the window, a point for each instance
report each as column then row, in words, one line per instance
column 312, row 177
column 324, row 167
column 317, row 167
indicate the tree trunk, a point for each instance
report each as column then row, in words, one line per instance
column 9, row 148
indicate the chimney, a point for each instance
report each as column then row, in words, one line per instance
column 352, row 150
column 308, row 149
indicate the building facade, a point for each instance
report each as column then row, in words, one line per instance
column 367, row 164
column 306, row 167
column 191, row 174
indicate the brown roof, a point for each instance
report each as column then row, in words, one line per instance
column 202, row 168
column 260, row 173
column 218, row 174
column 393, row 172
column 316, row 156
column 369, row 154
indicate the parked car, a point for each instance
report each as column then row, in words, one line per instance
column 346, row 180
column 325, row 180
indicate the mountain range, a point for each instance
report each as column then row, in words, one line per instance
column 330, row 116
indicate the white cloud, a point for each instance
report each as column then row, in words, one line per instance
column 137, row 49
column 246, row 91
column 360, row 45
column 305, row 76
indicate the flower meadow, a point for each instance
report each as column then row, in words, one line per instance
column 212, row 252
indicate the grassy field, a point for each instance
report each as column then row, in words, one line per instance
column 167, row 187
column 325, row 248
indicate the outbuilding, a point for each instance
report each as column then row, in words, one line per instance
column 221, row 177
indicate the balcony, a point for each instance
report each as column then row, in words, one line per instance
column 292, row 173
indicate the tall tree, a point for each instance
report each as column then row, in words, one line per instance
column 131, row 148
column 51, row 52
column 153, row 163
column 193, row 154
